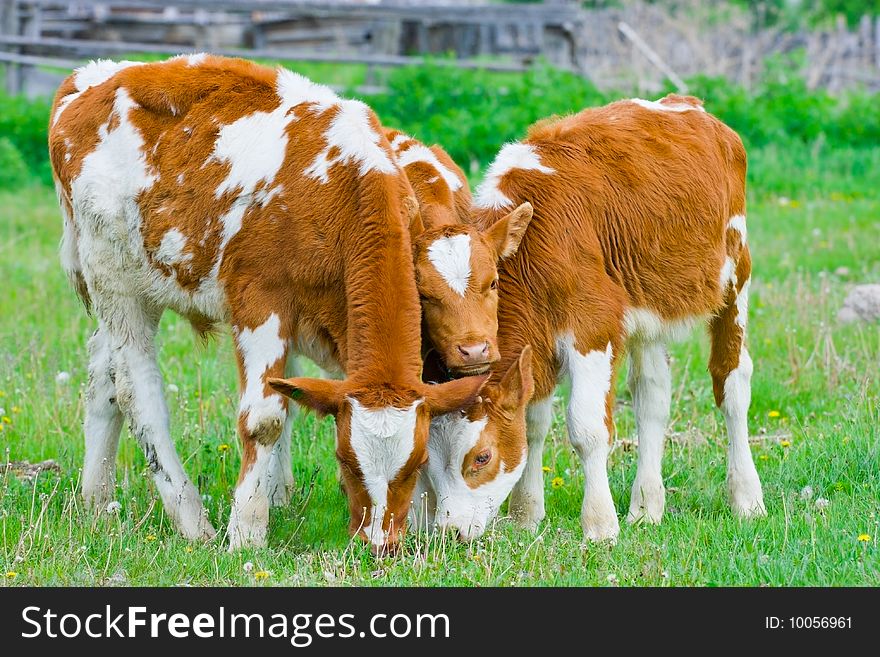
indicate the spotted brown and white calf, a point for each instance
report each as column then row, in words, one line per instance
column 638, row 234
column 456, row 263
column 236, row 194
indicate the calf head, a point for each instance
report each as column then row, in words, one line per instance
column 477, row 455
column 382, row 435
column 457, row 277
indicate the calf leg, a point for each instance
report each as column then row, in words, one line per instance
column 731, row 369
column 651, row 386
column 103, row 423
column 527, row 498
column 262, row 417
column 280, row 476
column 141, row 397
column 590, row 430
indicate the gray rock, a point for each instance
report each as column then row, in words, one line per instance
column 862, row 304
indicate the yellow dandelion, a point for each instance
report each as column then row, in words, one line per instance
column 222, row 448
column 261, row 574
column 773, row 414
column 6, row 419
column 11, row 574
column 558, row 482
column 794, row 204
column 477, row 557
column 150, row 538
column 2, row 427
column 864, row 538
column 763, row 457
column 785, row 443
column 2, row 394
column 546, row 469
column 189, row 548
column 16, row 409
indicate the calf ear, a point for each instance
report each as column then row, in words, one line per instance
column 517, row 386
column 442, row 398
column 321, row 395
column 506, row 233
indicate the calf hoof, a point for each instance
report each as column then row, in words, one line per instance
column 647, row 503
column 746, row 496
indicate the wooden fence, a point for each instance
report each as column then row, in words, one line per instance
column 637, row 46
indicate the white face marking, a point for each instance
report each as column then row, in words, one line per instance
column 469, row 510
column 738, row 223
column 115, row 172
column 421, row 153
column 170, row 251
column 511, row 156
column 657, row 106
column 260, row 348
column 451, row 257
column 646, row 325
column 383, row 439
column 355, row 140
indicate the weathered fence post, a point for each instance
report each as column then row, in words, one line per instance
column 11, row 26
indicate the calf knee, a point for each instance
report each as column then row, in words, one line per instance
column 264, row 420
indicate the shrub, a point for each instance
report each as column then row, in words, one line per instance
column 13, row 169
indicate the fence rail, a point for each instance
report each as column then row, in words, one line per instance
column 637, row 46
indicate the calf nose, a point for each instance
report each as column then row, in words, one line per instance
column 475, row 353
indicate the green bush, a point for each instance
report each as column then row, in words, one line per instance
column 472, row 113
column 24, row 122
column 13, row 169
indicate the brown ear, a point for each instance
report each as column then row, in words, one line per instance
column 455, row 395
column 517, row 385
column 506, row 233
column 321, row 395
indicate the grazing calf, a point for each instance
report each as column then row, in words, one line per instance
column 456, row 264
column 233, row 193
column 639, row 233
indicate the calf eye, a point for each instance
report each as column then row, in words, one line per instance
column 482, row 459
column 494, row 285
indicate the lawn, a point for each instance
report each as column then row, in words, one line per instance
column 814, row 419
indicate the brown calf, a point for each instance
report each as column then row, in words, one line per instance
column 638, row 234
column 455, row 263
column 234, row 193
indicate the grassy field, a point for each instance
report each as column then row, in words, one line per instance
column 814, row 418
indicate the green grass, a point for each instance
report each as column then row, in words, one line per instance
column 819, row 376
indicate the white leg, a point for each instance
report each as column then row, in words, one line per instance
column 527, row 498
column 651, row 386
column 587, row 429
column 746, row 496
column 249, row 519
column 103, row 422
column 280, row 482
column 141, row 397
